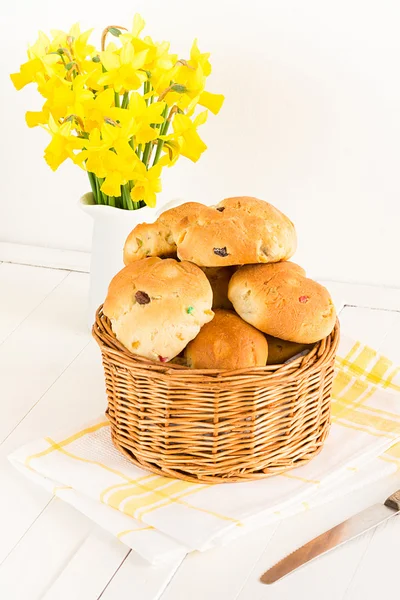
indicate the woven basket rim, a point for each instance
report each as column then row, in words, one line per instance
column 322, row 352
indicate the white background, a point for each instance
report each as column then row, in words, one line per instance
column 311, row 123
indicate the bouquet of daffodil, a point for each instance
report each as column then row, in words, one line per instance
column 121, row 113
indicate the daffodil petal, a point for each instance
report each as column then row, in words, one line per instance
column 35, row 118
column 138, row 25
column 112, row 184
column 211, row 101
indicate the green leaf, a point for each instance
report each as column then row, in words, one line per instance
column 180, row 89
column 96, row 59
column 115, row 31
column 69, row 66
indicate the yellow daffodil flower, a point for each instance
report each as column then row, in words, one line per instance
column 147, row 184
column 35, row 118
column 93, row 70
column 74, row 43
column 158, row 57
column 115, row 165
column 117, row 173
column 92, row 154
column 96, row 116
column 62, row 145
column 211, row 101
column 139, row 117
column 96, row 109
column 190, row 76
column 124, row 67
column 185, row 134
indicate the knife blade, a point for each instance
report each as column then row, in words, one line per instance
column 340, row 534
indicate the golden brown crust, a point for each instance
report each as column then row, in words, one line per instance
column 157, row 306
column 227, row 342
column 158, row 239
column 279, row 351
column 148, row 239
column 279, row 236
column 219, row 278
column 279, row 300
column 241, row 230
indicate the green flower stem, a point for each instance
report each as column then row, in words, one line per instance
column 139, row 150
column 127, row 198
column 125, row 100
column 146, row 153
column 160, row 144
column 146, row 91
column 98, row 196
column 93, row 185
column 117, row 100
column 110, row 200
column 163, row 131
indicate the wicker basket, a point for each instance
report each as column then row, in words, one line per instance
column 217, row 426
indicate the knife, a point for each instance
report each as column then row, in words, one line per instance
column 348, row 530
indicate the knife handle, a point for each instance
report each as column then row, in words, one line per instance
column 393, row 501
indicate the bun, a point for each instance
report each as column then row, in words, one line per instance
column 227, row 342
column 279, row 300
column 158, row 239
column 245, row 231
column 157, row 306
column 238, row 231
column 279, row 351
column 219, row 278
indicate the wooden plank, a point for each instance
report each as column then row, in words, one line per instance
column 71, row 260
column 377, row 575
column 311, row 581
column 43, row 552
column 74, row 398
column 135, row 578
column 220, row 572
column 23, row 289
column 90, row 568
column 31, row 359
column 41, row 348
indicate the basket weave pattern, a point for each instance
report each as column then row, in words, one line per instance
column 217, row 426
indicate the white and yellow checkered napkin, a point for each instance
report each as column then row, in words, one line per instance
column 164, row 518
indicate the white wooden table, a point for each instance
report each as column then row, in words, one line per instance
column 51, row 377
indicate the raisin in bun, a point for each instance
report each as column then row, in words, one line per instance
column 279, row 351
column 279, row 300
column 227, row 342
column 237, row 231
column 157, row 306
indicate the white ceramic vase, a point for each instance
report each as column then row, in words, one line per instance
column 111, row 227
